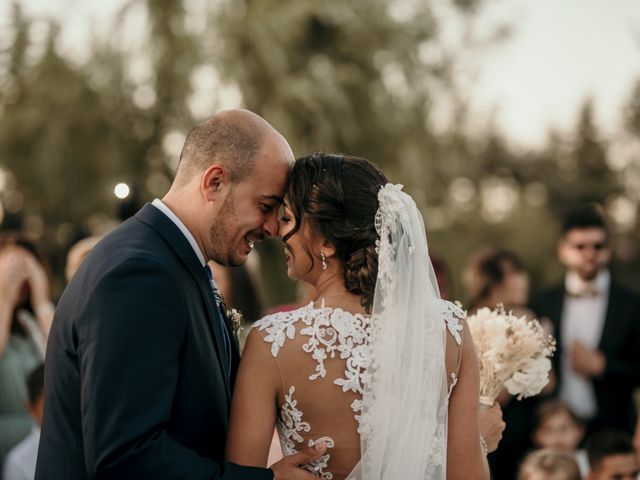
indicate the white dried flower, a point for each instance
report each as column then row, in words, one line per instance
column 236, row 320
column 513, row 352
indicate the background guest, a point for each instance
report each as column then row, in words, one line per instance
column 597, row 327
column 26, row 312
column 612, row 457
column 443, row 276
column 492, row 277
column 77, row 253
column 496, row 276
column 558, row 427
column 21, row 461
column 305, row 294
column 549, row 464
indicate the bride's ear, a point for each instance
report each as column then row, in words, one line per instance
column 328, row 249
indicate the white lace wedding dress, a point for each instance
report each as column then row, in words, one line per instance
column 324, row 360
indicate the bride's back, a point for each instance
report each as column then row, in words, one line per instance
column 322, row 355
column 314, row 350
column 306, row 370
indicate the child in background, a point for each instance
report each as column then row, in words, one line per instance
column 549, row 464
column 20, row 464
column 612, row 456
column 557, row 427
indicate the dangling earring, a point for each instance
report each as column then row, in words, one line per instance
column 324, row 261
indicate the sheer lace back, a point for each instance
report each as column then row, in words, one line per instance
column 322, row 356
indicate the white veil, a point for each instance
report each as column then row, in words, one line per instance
column 403, row 422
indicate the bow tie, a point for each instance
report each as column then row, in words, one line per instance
column 586, row 290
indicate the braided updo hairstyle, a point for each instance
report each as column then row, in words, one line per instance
column 338, row 196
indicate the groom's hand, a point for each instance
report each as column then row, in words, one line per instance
column 289, row 468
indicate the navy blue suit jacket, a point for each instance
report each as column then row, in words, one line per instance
column 136, row 382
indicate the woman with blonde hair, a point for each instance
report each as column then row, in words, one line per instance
column 549, row 464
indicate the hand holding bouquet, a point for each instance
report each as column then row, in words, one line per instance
column 513, row 353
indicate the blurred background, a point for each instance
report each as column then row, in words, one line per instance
column 498, row 116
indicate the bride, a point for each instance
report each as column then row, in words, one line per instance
column 378, row 367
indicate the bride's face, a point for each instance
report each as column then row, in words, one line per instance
column 297, row 248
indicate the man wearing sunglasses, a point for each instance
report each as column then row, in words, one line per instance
column 597, row 327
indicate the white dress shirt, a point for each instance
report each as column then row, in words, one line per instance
column 20, row 463
column 583, row 316
column 185, row 231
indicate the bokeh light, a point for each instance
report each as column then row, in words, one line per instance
column 121, row 190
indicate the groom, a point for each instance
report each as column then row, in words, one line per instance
column 140, row 364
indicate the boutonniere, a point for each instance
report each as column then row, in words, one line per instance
column 235, row 319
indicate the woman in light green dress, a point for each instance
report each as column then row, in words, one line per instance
column 26, row 312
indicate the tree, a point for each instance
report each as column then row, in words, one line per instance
column 358, row 77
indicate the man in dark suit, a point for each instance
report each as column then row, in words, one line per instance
column 140, row 363
column 597, row 327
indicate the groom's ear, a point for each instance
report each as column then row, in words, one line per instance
column 214, row 182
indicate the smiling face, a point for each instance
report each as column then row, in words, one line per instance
column 299, row 248
column 249, row 209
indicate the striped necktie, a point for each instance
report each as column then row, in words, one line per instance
column 221, row 307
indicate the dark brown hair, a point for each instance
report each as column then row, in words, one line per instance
column 549, row 408
column 587, row 216
column 605, row 443
column 488, row 269
column 338, row 196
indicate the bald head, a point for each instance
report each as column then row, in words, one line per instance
column 232, row 176
column 231, row 138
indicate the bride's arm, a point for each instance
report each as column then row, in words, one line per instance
column 465, row 457
column 253, row 411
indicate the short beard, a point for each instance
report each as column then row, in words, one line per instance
column 590, row 276
column 222, row 238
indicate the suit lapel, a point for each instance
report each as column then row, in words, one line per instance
column 235, row 351
column 168, row 230
column 610, row 331
column 556, row 307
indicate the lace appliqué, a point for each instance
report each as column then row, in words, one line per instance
column 452, row 314
column 454, row 381
column 390, row 205
column 331, row 332
column 290, row 425
column 438, row 455
column 280, row 326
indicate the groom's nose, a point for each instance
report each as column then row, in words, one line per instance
column 270, row 225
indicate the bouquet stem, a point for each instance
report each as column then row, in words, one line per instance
column 486, row 402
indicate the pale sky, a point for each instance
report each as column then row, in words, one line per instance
column 561, row 51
